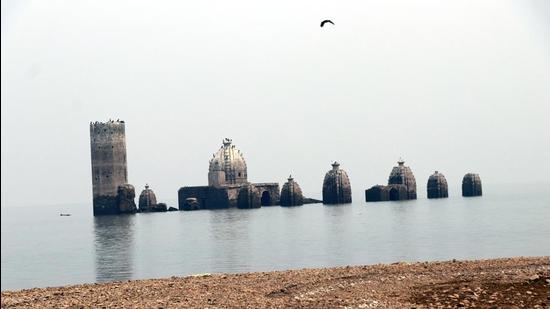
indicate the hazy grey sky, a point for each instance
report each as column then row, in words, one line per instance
column 454, row 86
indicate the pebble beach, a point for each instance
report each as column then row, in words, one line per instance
column 511, row 282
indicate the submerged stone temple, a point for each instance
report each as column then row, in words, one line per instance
column 228, row 185
column 403, row 175
column 148, row 201
column 291, row 193
column 111, row 192
column 401, row 186
column 471, row 185
column 437, row 186
column 336, row 186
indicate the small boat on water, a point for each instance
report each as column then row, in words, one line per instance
column 64, row 215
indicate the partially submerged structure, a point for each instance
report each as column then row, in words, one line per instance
column 401, row 186
column 471, row 185
column 403, row 175
column 291, row 193
column 336, row 186
column 437, row 186
column 111, row 192
column 148, row 201
column 228, row 185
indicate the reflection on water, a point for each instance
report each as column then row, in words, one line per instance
column 229, row 238
column 114, row 243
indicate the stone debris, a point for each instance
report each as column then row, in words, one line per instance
column 516, row 282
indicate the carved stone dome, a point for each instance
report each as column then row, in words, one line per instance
column 291, row 194
column 471, row 185
column 437, row 186
column 147, row 199
column 403, row 175
column 336, row 186
column 227, row 166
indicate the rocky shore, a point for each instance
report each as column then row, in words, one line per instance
column 513, row 282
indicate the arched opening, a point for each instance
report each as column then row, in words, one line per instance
column 266, row 199
column 394, row 194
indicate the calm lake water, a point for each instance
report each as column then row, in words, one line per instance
column 40, row 248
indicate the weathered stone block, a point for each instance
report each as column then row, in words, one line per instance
column 377, row 193
column 125, row 198
column 249, row 197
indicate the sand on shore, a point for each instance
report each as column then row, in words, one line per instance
column 513, row 282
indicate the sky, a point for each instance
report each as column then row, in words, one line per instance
column 453, row 86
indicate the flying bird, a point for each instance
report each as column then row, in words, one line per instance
column 326, row 21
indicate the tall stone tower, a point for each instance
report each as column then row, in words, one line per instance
column 109, row 171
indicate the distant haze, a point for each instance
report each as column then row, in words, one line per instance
column 453, row 86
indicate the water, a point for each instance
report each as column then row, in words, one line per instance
column 41, row 248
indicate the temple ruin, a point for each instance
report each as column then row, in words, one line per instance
column 228, row 185
column 471, row 185
column 336, row 186
column 401, row 186
column 291, row 193
column 437, row 186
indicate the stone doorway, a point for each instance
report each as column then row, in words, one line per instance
column 394, row 194
column 266, row 199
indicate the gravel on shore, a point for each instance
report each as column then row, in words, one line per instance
column 496, row 283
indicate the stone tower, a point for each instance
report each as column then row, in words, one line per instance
column 227, row 166
column 402, row 175
column 437, row 186
column 109, row 171
column 471, row 185
column 291, row 194
column 336, row 186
